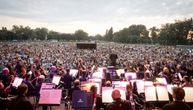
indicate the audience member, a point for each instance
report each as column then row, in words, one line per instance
column 17, row 59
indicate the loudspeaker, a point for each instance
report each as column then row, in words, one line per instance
column 113, row 58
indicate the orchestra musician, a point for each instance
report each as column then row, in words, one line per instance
column 82, row 70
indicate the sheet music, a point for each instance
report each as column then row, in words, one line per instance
column 120, row 83
column 17, row 81
column 150, row 94
column 120, row 71
column 139, row 84
column 73, row 72
column 180, row 76
column 100, row 69
column 169, row 87
column 148, row 83
column 56, row 80
column 188, row 94
column 96, row 80
column 97, row 75
column 161, row 81
column 162, row 93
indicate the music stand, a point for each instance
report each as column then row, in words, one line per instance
column 107, row 91
column 17, row 81
column 120, row 83
column 50, row 97
column 82, row 100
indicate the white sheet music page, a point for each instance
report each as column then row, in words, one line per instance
column 188, row 94
column 162, row 93
column 56, row 80
column 73, row 72
column 17, row 81
column 150, row 94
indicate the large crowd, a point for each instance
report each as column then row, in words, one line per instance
column 30, row 60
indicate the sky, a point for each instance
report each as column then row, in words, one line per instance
column 92, row 16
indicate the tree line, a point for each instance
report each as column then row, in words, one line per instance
column 178, row 33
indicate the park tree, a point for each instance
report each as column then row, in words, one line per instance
column 154, row 32
column 41, row 33
column 27, row 33
column 137, row 30
column 53, row 35
column 81, row 35
column 109, row 34
column 175, row 33
column 98, row 37
column 22, row 33
column 3, row 33
column 17, row 30
column 122, row 36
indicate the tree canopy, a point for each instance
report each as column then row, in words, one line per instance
column 178, row 33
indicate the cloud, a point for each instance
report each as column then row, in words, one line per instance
column 94, row 16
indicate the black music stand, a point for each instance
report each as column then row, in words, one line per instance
column 82, row 100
